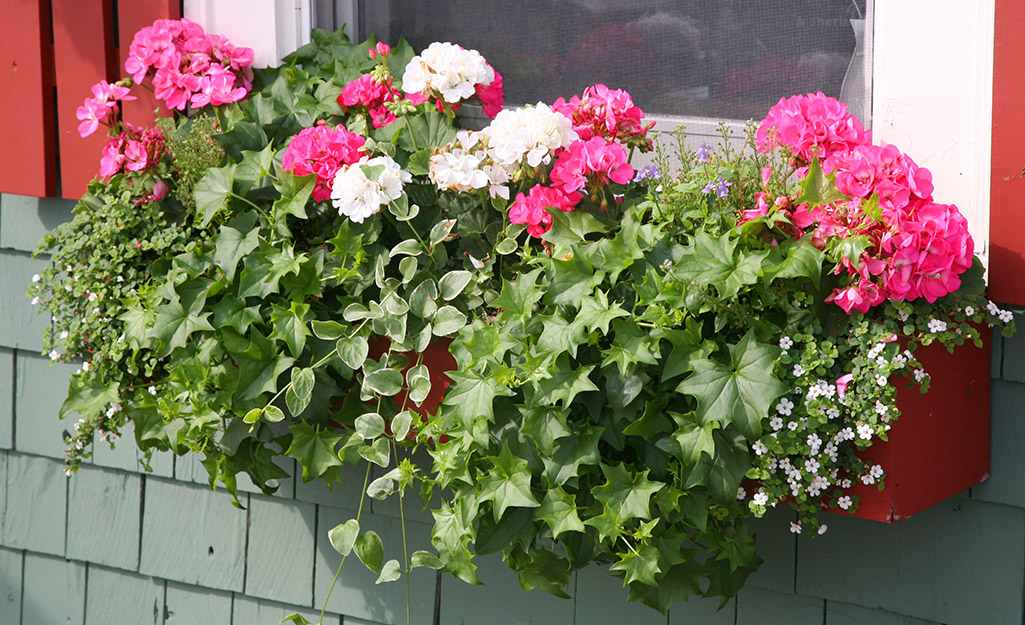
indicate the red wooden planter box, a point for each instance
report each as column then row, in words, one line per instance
column 940, row 445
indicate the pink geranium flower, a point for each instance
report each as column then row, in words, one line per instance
column 322, row 150
column 604, row 112
column 532, row 209
column 809, row 126
column 596, row 161
column 101, row 107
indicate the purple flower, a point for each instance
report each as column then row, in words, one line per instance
column 723, row 189
column 709, row 188
column 648, row 171
column 703, row 153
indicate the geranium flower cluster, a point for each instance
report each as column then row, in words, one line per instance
column 188, row 66
column 813, row 125
column 370, row 93
column 451, row 74
column 135, row 149
column 102, row 108
column 362, row 189
column 917, row 247
column 465, row 166
column 322, row 150
column 608, row 113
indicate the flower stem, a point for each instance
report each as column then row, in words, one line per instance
column 412, row 136
column 359, row 511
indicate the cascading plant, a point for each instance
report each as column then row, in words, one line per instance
column 573, row 360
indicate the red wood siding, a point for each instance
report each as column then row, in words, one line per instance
column 83, row 50
column 46, row 71
column 28, row 163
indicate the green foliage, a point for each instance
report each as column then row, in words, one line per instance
column 618, row 384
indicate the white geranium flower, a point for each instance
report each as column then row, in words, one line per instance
column 357, row 197
column 531, row 133
column 448, row 71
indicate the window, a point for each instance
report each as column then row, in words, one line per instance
column 729, row 59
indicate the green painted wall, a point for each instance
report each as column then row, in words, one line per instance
column 118, row 546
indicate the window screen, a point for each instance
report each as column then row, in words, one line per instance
column 729, row 59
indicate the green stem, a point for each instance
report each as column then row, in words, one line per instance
column 359, row 511
column 412, row 136
column 320, row 362
column 247, row 201
column 405, row 550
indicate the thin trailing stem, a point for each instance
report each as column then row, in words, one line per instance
column 359, row 512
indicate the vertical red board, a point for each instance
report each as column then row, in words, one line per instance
column 83, row 54
column 28, row 162
column 940, row 445
column 1007, row 186
column 132, row 16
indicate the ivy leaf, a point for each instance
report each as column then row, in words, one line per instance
column 314, row 450
column 290, row 326
column 259, row 366
column 518, row 297
column 559, row 511
column 596, row 312
column 262, row 272
column 560, row 336
column 174, row 326
column 390, row 572
column 369, row 550
column 693, row 438
column 451, row 536
column 544, row 570
column 235, row 241
column 253, row 167
column 818, row 189
column 689, row 346
column 739, row 393
column 295, row 193
column 571, row 227
column 801, row 259
column 231, row 312
column 343, row 536
column 572, row 279
column 566, row 382
column 211, row 193
column 627, row 493
column 718, row 262
column 581, row 449
column 507, row 484
column 640, row 565
column 731, row 462
column 472, row 396
column 87, row 395
column 296, row 619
